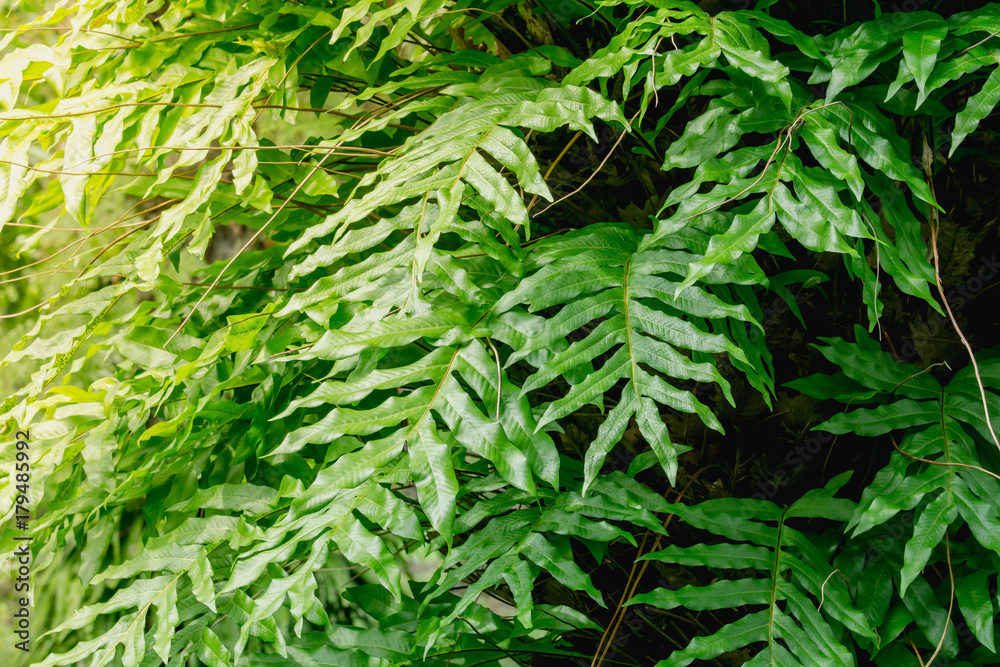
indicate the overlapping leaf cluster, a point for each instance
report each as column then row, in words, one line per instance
column 245, row 455
column 937, row 480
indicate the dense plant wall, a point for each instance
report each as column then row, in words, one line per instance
column 458, row 333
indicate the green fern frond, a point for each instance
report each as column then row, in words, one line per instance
column 792, row 578
column 600, row 275
column 937, row 479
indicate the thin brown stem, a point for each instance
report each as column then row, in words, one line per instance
column 943, row 463
column 249, row 287
column 633, row 582
column 596, row 171
column 951, row 601
column 932, row 219
column 548, row 172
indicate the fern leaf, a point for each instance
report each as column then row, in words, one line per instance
column 774, row 549
column 602, row 262
column 978, row 107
